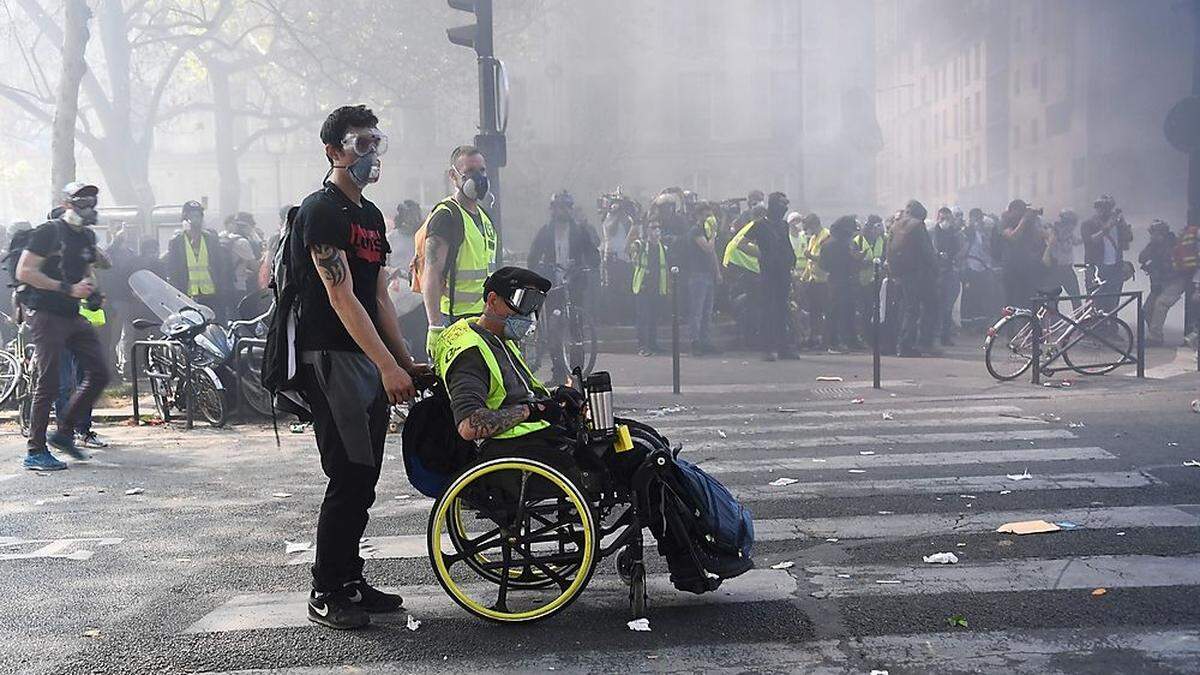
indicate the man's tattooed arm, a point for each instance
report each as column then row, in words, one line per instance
column 485, row 423
column 331, row 263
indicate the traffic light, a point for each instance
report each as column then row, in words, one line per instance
column 477, row 36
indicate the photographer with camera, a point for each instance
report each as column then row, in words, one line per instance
column 55, row 272
column 1106, row 236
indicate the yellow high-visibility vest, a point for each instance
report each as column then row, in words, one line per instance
column 642, row 261
column 736, row 256
column 95, row 317
column 200, row 282
column 475, row 260
column 461, row 337
column 813, row 271
column 871, row 252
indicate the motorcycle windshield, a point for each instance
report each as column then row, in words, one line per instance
column 214, row 341
column 162, row 298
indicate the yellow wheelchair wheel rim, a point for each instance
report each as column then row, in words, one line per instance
column 446, row 504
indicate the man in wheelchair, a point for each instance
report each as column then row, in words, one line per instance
column 496, row 400
column 520, row 519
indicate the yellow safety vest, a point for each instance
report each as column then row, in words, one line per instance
column 738, row 257
column 476, row 259
column 94, row 317
column 642, row 261
column 710, row 227
column 813, row 271
column 200, row 282
column 461, row 337
column 799, row 245
column 873, row 252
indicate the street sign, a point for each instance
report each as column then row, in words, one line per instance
column 1183, row 125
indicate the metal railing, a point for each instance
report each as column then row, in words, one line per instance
column 1089, row 327
column 189, row 382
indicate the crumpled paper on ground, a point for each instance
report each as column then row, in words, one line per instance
column 941, row 559
column 639, row 625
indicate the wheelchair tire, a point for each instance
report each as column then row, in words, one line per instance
column 515, row 543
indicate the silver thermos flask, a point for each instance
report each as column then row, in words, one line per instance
column 599, row 392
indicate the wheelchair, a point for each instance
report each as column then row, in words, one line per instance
column 513, row 539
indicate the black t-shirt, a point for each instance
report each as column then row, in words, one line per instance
column 328, row 217
column 68, row 253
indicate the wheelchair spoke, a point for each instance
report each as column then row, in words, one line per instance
column 542, row 565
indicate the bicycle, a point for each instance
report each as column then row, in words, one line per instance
column 570, row 322
column 1083, row 337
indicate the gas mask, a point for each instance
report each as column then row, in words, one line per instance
column 474, row 184
column 517, row 327
column 81, row 212
column 368, row 145
column 365, row 170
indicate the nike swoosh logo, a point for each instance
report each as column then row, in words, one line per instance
column 357, row 597
column 322, row 610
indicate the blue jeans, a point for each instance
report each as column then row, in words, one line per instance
column 648, row 305
column 70, row 376
column 701, row 288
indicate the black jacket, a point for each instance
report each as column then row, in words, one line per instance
column 176, row 262
column 582, row 242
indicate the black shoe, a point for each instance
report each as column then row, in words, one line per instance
column 66, row 443
column 371, row 599
column 335, row 610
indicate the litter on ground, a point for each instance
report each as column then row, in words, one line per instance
column 1020, row 476
column 1099, row 591
column 1066, row 524
column 412, row 623
column 857, row 401
column 639, row 625
column 281, row 495
column 785, row 565
column 1191, row 462
column 781, row 482
column 941, row 559
column 866, row 453
column 1028, row 527
column 1006, row 492
column 133, row 491
column 291, row 547
column 887, row 581
column 857, row 470
column 722, row 434
column 828, row 378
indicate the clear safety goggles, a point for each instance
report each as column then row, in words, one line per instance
column 526, row 301
column 363, row 143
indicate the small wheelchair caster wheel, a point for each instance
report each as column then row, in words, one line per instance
column 624, row 564
column 637, row 591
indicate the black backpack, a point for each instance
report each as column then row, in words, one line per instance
column 16, row 245
column 281, row 372
column 434, row 452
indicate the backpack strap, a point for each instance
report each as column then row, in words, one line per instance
column 450, row 271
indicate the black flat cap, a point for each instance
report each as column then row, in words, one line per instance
column 508, row 279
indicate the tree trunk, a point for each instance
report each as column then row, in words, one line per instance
column 228, row 178
column 66, row 109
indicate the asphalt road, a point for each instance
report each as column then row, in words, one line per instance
column 192, row 573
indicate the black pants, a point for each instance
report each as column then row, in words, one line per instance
column 775, row 314
column 918, row 313
column 350, row 492
column 839, row 326
column 52, row 334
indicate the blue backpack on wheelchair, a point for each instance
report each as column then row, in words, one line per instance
column 705, row 534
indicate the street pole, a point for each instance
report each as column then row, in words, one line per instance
column 675, row 330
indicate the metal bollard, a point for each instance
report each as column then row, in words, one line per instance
column 1141, row 338
column 675, row 330
column 1037, row 343
column 875, row 320
column 133, row 363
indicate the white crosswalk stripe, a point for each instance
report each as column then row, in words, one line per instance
column 947, row 459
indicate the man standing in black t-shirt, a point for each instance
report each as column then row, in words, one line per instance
column 55, row 272
column 355, row 359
